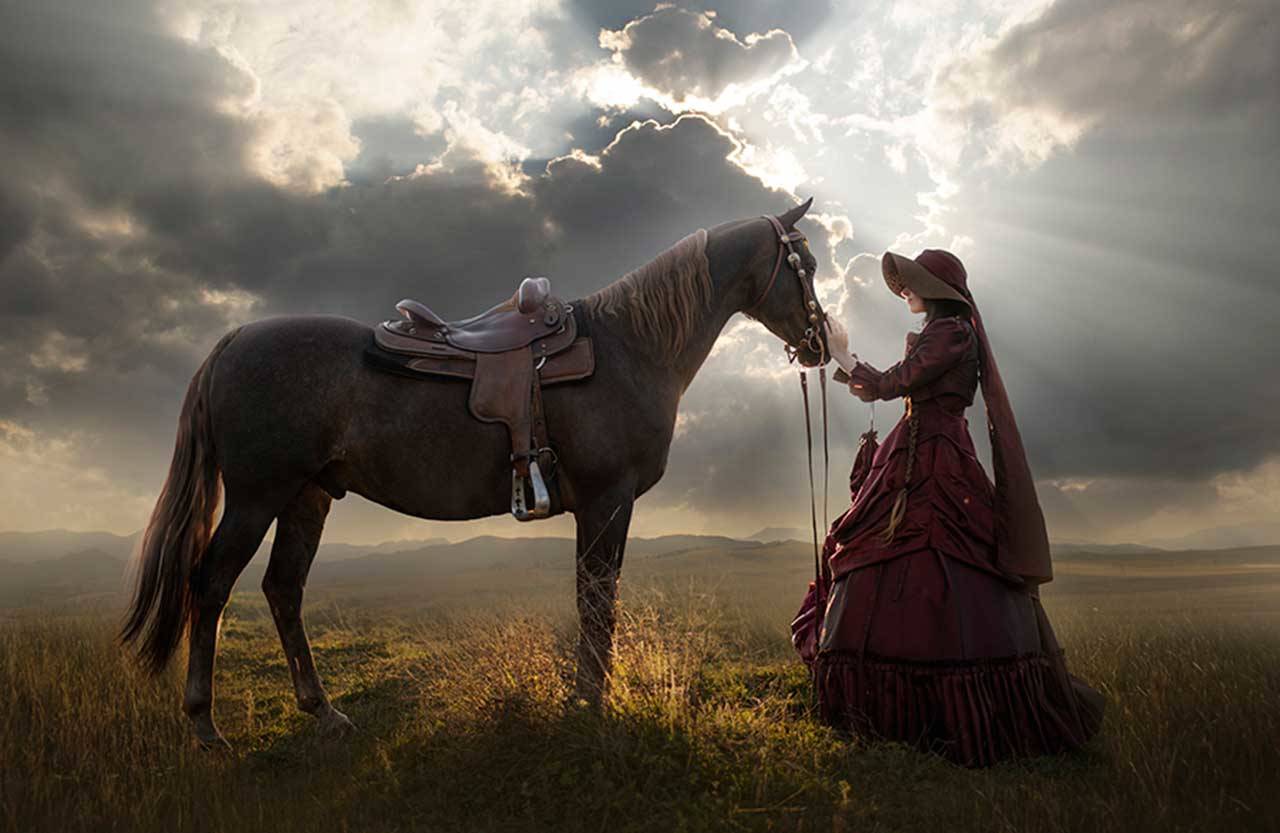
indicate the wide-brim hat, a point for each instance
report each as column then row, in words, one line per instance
column 934, row 273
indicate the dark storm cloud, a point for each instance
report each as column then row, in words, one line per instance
column 1164, row 59
column 661, row 181
column 113, row 132
column 1134, row 262
column 685, row 53
column 800, row 18
column 17, row 215
column 592, row 131
column 456, row 240
column 390, row 146
column 105, row 98
column 1152, row 314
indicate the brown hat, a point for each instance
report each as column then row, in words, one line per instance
column 934, row 273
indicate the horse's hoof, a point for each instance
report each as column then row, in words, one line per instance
column 207, row 734
column 587, row 702
column 335, row 724
column 213, row 743
column 588, row 694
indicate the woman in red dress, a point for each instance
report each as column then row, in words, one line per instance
column 927, row 627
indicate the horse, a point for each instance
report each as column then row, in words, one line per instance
column 286, row 415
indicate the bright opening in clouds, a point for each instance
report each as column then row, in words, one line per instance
column 1108, row 171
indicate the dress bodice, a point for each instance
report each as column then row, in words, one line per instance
column 927, row 464
column 941, row 362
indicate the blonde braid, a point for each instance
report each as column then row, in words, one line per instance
column 899, row 510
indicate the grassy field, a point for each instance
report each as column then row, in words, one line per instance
column 457, row 683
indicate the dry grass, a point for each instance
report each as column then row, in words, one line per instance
column 464, row 726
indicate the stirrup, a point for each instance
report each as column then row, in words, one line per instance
column 541, row 498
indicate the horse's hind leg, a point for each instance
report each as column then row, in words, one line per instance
column 298, row 531
column 233, row 544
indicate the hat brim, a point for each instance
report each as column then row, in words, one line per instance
column 901, row 272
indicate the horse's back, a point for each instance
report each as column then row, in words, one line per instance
column 293, row 396
column 304, row 332
column 289, row 360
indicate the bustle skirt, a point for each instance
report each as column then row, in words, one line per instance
column 934, row 652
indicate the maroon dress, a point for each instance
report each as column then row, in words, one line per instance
column 919, row 636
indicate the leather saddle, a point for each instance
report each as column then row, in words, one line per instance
column 532, row 313
column 509, row 352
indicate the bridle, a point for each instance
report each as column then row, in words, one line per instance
column 812, row 338
column 814, row 341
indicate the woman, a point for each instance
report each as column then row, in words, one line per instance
column 933, row 632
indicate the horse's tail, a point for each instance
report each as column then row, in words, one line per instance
column 179, row 530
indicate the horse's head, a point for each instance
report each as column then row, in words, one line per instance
column 775, row 282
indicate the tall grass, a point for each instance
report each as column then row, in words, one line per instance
column 466, row 724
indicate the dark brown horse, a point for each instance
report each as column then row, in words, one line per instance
column 288, row 415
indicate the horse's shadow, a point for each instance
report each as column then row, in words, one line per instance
column 516, row 759
column 744, row 750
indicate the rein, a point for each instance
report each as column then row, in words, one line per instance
column 818, row 572
column 813, row 340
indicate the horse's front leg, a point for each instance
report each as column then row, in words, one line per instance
column 602, row 536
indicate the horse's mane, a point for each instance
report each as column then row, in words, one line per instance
column 662, row 300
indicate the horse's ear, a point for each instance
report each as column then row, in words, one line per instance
column 789, row 219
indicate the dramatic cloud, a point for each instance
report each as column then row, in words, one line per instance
column 1041, row 85
column 320, row 67
column 801, row 19
column 1143, row 241
column 686, row 55
column 119, row 152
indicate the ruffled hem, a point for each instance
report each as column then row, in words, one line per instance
column 972, row 712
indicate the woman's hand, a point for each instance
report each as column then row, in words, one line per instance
column 837, row 337
column 863, row 391
column 838, row 345
column 864, row 382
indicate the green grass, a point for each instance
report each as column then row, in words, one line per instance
column 464, row 725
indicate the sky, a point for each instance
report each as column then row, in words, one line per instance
column 1108, row 171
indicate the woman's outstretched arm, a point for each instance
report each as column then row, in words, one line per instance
column 941, row 345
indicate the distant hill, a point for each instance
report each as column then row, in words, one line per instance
column 496, row 565
column 24, row 547
column 488, row 552
column 339, row 551
column 1062, row 548
column 89, row 573
column 1069, row 549
column 781, row 533
column 100, row 572
column 56, row 543
column 1151, row 557
column 1222, row 537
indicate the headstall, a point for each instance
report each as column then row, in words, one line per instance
column 812, row 338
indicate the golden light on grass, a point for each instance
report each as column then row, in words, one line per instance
column 459, row 687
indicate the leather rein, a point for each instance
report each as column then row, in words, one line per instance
column 813, row 340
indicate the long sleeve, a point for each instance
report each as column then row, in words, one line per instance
column 844, row 359
column 940, row 346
